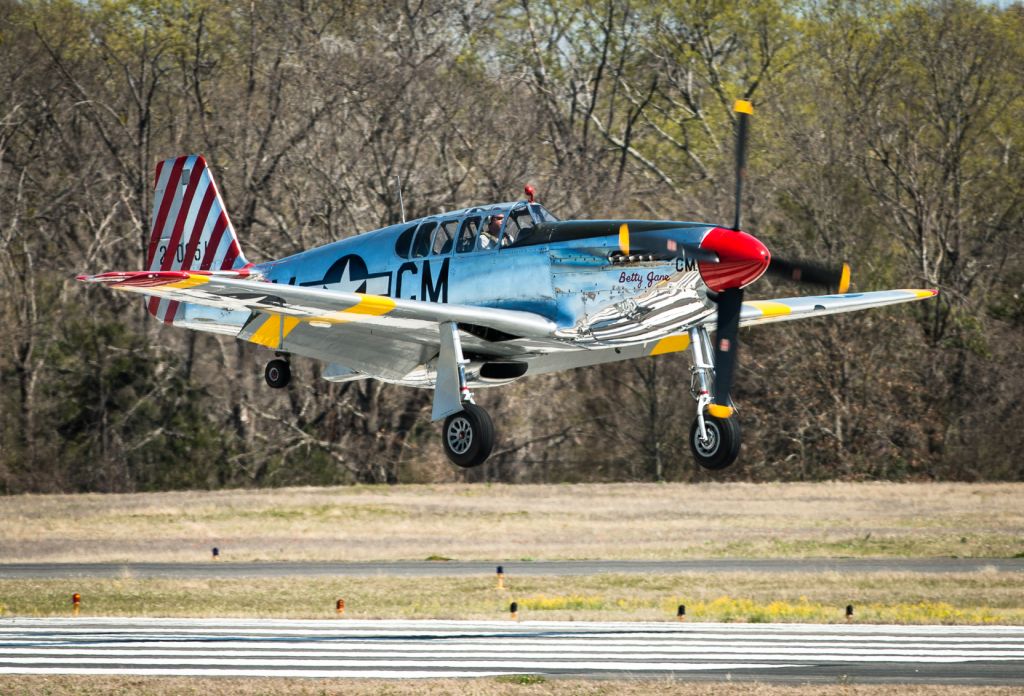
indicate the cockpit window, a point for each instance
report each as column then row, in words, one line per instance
column 474, row 233
column 403, row 242
column 467, row 236
column 522, row 220
column 445, row 237
column 421, row 245
column 541, row 214
column 519, row 227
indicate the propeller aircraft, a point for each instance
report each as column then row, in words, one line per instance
column 483, row 296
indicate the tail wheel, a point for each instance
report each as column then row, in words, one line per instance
column 278, row 373
column 468, row 436
column 722, row 445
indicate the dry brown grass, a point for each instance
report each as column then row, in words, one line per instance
column 88, row 685
column 466, row 522
column 967, row 598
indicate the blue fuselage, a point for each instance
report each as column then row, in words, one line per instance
column 574, row 273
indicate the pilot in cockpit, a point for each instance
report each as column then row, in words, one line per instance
column 489, row 235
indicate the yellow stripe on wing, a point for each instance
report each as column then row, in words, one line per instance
column 770, row 309
column 193, row 280
column 368, row 305
column 274, row 330
column 671, row 344
column 289, row 324
column 374, row 305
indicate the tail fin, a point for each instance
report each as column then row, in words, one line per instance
column 191, row 230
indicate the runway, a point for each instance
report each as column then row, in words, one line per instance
column 795, row 653
column 227, row 568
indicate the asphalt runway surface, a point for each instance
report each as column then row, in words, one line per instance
column 227, row 569
column 795, row 653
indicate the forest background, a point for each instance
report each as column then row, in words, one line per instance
column 887, row 134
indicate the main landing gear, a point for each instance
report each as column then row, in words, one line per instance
column 720, row 444
column 278, row 373
column 468, row 433
column 468, row 436
column 715, row 442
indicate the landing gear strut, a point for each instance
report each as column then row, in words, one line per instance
column 468, row 433
column 278, row 373
column 715, row 442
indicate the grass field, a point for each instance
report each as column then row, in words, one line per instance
column 488, row 522
column 498, row 522
column 528, row 686
column 973, row 598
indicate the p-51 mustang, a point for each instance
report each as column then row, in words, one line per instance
column 481, row 296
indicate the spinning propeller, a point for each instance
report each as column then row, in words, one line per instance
column 729, row 260
column 742, row 259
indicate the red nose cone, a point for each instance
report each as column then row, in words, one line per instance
column 742, row 259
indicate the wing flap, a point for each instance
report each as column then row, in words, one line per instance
column 233, row 290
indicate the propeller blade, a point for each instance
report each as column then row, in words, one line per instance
column 726, row 344
column 744, row 110
column 811, row 273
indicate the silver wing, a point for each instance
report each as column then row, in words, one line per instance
column 398, row 340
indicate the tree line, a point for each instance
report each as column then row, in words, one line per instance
column 887, row 135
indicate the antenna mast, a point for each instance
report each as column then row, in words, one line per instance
column 401, row 203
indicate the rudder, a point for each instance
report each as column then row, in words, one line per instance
column 191, row 229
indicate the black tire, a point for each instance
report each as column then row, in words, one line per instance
column 468, row 436
column 723, row 446
column 278, row 373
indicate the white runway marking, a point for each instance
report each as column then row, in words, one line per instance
column 418, row 649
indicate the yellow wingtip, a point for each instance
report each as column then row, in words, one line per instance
column 720, row 411
column 844, row 279
column 742, row 106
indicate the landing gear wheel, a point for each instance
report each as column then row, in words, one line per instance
column 468, row 436
column 278, row 373
column 723, row 443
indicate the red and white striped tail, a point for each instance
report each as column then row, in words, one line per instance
column 191, row 230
